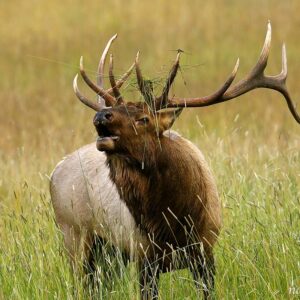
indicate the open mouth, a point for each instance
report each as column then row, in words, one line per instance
column 105, row 134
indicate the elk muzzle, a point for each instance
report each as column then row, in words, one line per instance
column 106, row 139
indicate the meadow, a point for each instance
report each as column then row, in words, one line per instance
column 252, row 143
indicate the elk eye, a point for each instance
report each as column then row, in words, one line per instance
column 143, row 121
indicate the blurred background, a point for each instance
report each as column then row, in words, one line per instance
column 251, row 143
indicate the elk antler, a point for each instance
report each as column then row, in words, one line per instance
column 94, row 105
column 105, row 97
column 120, row 82
column 112, row 80
column 255, row 79
column 162, row 100
column 145, row 86
column 100, row 71
column 109, row 100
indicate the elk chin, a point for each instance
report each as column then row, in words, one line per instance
column 106, row 143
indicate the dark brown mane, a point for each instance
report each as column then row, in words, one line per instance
column 154, row 194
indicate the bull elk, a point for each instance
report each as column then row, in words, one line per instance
column 145, row 189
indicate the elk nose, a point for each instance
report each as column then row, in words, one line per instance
column 102, row 117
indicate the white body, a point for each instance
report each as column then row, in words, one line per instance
column 86, row 201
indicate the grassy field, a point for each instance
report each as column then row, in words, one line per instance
column 252, row 144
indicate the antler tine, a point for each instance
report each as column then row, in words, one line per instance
column 100, row 71
column 264, row 55
column 284, row 69
column 206, row 100
column 120, row 82
column 283, row 90
column 94, row 105
column 112, row 80
column 256, row 74
column 145, row 89
column 109, row 100
column 162, row 100
column 138, row 71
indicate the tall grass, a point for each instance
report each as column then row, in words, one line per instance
column 252, row 144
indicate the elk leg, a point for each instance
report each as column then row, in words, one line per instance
column 106, row 258
column 203, row 270
column 76, row 242
column 149, row 276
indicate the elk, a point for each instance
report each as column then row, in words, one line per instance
column 143, row 188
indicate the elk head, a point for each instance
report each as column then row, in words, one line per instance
column 128, row 127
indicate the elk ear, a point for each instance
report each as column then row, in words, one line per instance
column 167, row 118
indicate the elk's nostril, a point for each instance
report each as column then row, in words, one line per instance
column 108, row 116
column 102, row 118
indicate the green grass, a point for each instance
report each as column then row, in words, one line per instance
column 252, row 144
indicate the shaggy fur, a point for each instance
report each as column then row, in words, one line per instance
column 169, row 196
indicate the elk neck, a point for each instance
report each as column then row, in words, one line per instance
column 170, row 184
